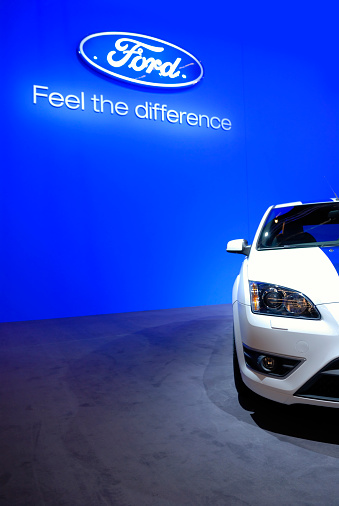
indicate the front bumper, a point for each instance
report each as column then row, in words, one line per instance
column 311, row 344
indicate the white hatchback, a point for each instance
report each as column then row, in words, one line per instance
column 286, row 306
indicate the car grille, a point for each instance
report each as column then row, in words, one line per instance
column 324, row 385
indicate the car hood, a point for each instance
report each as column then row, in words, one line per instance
column 312, row 271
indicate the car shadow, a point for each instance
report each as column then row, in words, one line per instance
column 301, row 421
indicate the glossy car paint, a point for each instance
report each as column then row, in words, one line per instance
column 315, row 342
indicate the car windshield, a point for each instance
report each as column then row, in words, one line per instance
column 300, row 226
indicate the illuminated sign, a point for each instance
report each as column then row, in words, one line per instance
column 141, row 59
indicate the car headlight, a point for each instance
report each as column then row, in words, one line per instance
column 278, row 300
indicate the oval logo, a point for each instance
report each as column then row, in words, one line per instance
column 141, row 59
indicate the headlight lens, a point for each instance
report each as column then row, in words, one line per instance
column 278, row 300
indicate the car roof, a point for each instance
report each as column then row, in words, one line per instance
column 299, row 203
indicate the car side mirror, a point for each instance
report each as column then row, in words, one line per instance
column 239, row 246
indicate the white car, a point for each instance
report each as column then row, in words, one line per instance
column 286, row 306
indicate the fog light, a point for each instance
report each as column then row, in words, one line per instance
column 267, row 364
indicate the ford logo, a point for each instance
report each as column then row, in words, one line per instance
column 141, row 59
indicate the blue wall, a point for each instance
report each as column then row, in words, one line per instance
column 103, row 213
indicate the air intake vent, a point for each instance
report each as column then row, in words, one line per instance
column 324, row 385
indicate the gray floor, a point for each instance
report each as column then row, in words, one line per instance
column 140, row 409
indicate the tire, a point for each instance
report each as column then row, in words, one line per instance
column 248, row 400
column 240, row 386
